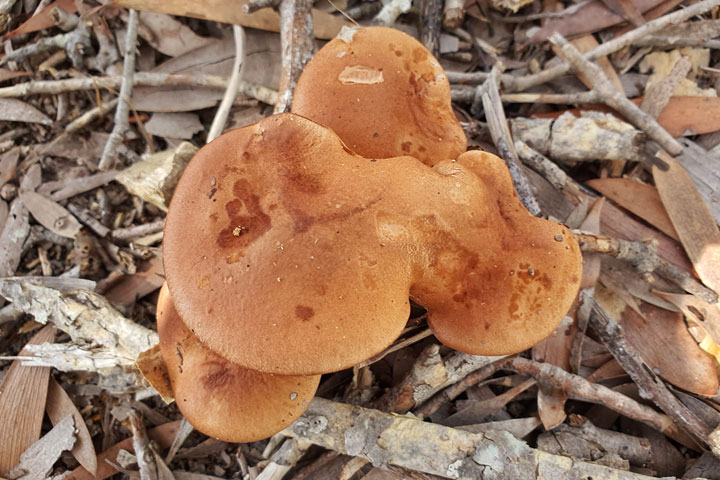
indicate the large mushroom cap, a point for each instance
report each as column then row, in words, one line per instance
column 384, row 94
column 284, row 252
column 219, row 398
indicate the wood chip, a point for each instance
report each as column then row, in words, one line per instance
column 22, row 401
column 36, row 461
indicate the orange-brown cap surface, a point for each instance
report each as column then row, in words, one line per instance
column 284, row 252
column 219, row 398
column 384, row 94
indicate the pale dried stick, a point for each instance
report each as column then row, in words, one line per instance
column 232, row 89
column 122, row 111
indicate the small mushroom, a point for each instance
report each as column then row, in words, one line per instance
column 384, row 94
column 219, row 398
column 285, row 252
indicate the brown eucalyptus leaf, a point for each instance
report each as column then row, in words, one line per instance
column 23, row 393
column 51, row 215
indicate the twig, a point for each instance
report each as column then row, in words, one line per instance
column 430, row 11
column 644, row 258
column 122, row 111
column 453, row 14
column 284, row 459
column 614, row 99
column 489, row 96
column 395, row 347
column 518, row 84
column 223, row 110
column 547, row 168
column 296, row 39
column 650, row 385
column 391, row 11
column 135, row 231
column 149, row 79
column 578, row 388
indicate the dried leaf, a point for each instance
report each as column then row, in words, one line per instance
column 22, row 401
column 154, row 370
column 174, row 125
column 14, row 110
column 325, row 25
column 691, row 218
column 15, row 231
column 169, row 36
column 662, row 340
column 698, row 311
column 51, row 215
column 43, row 19
column 131, row 288
column 626, row 9
column 59, row 406
column 163, row 435
column 37, row 461
column 8, row 165
column 592, row 17
column 641, row 199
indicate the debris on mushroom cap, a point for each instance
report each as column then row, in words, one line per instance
column 221, row 399
column 285, row 252
column 384, row 94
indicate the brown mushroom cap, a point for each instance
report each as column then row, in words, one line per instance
column 286, row 253
column 219, row 398
column 384, row 94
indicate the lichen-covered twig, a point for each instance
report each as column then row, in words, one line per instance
column 614, row 99
column 122, row 111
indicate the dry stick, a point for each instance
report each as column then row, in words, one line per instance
column 614, row 99
column 138, row 230
column 489, row 95
column 644, row 258
column 547, row 168
column 578, row 388
column 430, row 11
column 518, row 84
column 296, row 39
column 122, row 123
column 466, row 94
column 650, row 385
column 224, row 109
column 149, row 79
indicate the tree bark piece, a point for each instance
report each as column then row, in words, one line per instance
column 386, row 439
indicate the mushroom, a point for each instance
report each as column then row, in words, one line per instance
column 219, row 398
column 287, row 253
column 384, row 94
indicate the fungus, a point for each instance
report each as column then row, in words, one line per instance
column 384, row 94
column 221, row 399
column 287, row 253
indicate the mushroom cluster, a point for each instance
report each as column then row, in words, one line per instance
column 293, row 249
